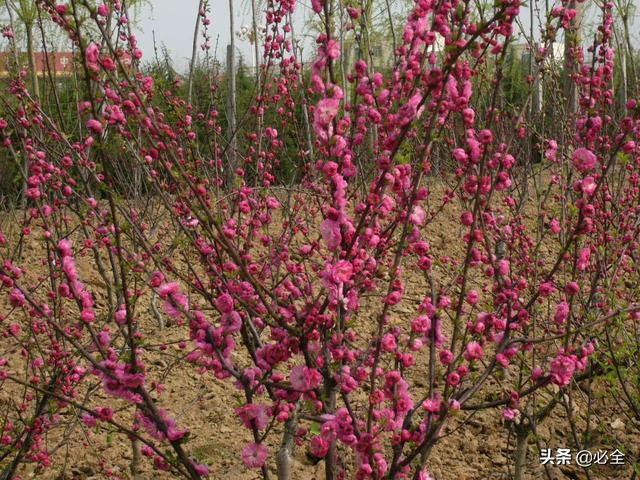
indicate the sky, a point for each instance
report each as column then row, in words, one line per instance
column 173, row 22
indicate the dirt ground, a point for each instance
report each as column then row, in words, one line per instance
column 479, row 451
column 475, row 448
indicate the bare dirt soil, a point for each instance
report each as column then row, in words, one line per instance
column 479, row 449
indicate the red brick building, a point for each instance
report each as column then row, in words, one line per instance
column 60, row 63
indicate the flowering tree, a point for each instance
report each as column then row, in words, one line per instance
column 329, row 304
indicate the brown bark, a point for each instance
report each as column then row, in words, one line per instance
column 572, row 40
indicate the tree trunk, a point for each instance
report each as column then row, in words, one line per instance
column 536, row 103
column 521, row 453
column 631, row 79
column 305, row 109
column 256, row 46
column 572, row 40
column 231, row 114
column 284, row 457
column 623, row 79
column 134, row 466
column 32, row 62
column 194, row 50
column 231, row 100
column 330, row 461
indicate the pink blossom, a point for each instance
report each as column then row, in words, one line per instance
column 89, row 420
column 409, row 111
column 342, row 271
column 510, row 414
column 317, row 5
column 105, row 414
column 325, row 112
column 474, row 351
column 388, row 343
column 330, row 231
column 224, row 303
column 330, row 169
column 295, row 279
column 393, row 298
column 147, row 451
column 453, row 379
column 175, row 303
column 417, row 216
column 552, row 151
column 584, row 160
column 104, row 339
column 254, row 455
column 460, row 156
column 167, row 289
column 421, row 325
column 354, row 13
column 69, row 268
column 103, row 10
column 16, row 298
column 503, row 267
column 502, row 359
column 466, row 218
column 64, row 247
column 485, row 136
column 232, row 322
column 156, row 279
column 319, row 446
column 446, row 356
column 546, row 289
column 536, row 373
column 432, row 405
column 424, row 475
column 160, row 463
column 583, row 259
column 173, row 434
column 562, row 368
column 91, row 53
column 629, row 147
column 562, row 313
column 272, row 203
column 121, row 315
column 303, row 378
column 468, row 116
column 200, row 469
column 254, row 415
column 572, row 288
column 588, row 186
column 472, row 297
column 333, row 49
column 94, row 126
